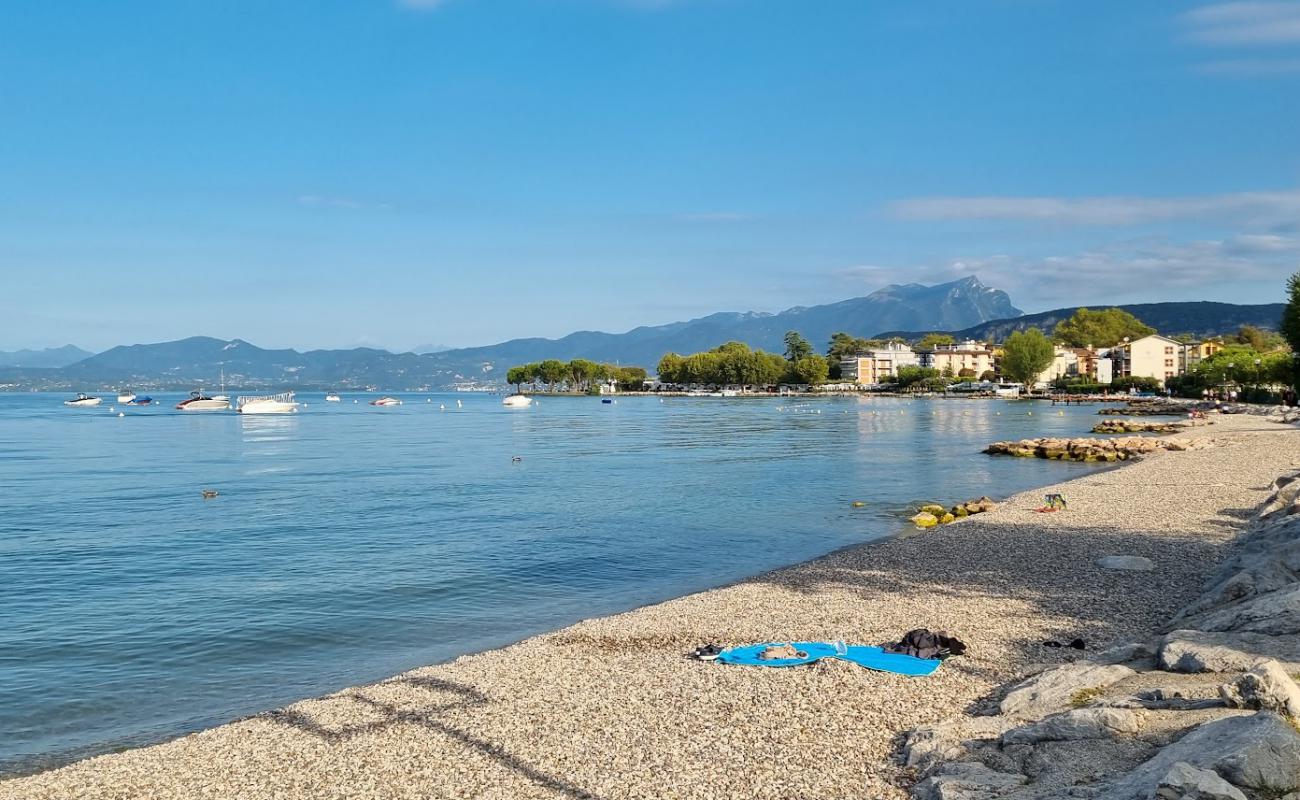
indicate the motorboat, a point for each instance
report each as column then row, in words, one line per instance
column 267, row 404
column 139, row 401
column 386, row 401
column 83, row 400
column 517, row 401
column 125, row 396
column 198, row 401
column 333, row 398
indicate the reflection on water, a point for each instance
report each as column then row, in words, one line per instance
column 348, row 542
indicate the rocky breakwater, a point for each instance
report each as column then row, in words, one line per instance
column 1091, row 449
column 1151, row 408
column 933, row 514
column 1136, row 426
column 1206, row 711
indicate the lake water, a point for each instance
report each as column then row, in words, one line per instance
column 350, row 542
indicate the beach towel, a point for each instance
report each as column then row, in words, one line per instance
column 862, row 655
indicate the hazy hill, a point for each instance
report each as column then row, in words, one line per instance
column 50, row 357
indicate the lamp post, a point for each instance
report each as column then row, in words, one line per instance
column 1257, row 363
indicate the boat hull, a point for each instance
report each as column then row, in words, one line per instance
column 269, row 407
column 204, row 405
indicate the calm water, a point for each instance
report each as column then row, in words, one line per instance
column 349, row 542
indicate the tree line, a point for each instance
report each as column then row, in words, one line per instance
column 736, row 364
column 578, row 375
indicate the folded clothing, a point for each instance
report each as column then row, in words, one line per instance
column 924, row 643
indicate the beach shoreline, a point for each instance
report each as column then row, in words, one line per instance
column 609, row 707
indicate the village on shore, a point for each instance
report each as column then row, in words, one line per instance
column 1094, row 353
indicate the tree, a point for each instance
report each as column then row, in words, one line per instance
column 517, row 376
column 796, row 347
column 580, row 373
column 1105, row 328
column 670, row 368
column 1290, row 327
column 909, row 375
column 1025, row 355
column 552, row 371
column 630, row 379
column 933, row 340
column 1258, row 339
column 811, row 370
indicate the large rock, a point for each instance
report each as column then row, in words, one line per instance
column 1185, row 782
column 1267, row 687
column 1198, row 651
column 1259, row 752
column 949, row 741
column 1133, row 563
column 1059, row 688
column 1276, row 613
column 967, row 781
column 1081, row 723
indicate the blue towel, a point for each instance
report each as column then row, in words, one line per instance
column 862, row 655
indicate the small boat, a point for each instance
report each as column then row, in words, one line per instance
column 125, row 396
column 607, row 401
column 82, row 400
column 333, row 398
column 517, row 401
column 140, row 401
column 267, row 404
column 198, row 401
column 386, row 401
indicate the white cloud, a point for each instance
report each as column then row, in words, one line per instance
column 1245, row 23
column 1256, row 206
column 1250, row 67
column 1114, row 272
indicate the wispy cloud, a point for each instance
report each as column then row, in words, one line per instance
column 331, row 201
column 1247, row 23
column 712, row 216
column 1118, row 210
column 1114, row 272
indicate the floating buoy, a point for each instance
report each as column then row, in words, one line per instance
column 442, row 407
column 458, row 405
column 428, row 399
column 208, row 494
column 1031, row 413
column 120, row 414
column 516, row 459
column 1060, row 413
column 857, row 504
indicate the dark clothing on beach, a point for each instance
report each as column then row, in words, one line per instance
column 923, row 643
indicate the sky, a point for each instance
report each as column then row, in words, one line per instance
column 394, row 173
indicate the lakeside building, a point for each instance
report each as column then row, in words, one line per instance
column 1153, row 356
column 1193, row 353
column 875, row 365
column 951, row 359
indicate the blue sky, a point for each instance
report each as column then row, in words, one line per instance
column 334, row 173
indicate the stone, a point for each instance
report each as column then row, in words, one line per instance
column 1080, row 723
column 1185, row 782
column 1260, row 752
column 945, row 518
column 1267, row 687
column 1123, row 653
column 1276, row 614
column 933, row 508
column 1198, row 651
column 1133, row 563
column 926, row 746
column 967, row 781
column 925, row 520
column 1057, row 689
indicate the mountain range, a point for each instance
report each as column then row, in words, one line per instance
column 50, row 357
column 965, row 307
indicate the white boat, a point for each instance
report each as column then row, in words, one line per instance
column 267, row 404
column 198, row 401
column 125, row 396
column 83, row 400
column 517, row 401
column 386, row 401
column 333, row 398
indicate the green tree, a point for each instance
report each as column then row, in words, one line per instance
column 811, row 370
column 552, row 371
column 1025, row 355
column 581, row 372
column 796, row 347
column 670, row 368
column 1290, row 327
column 909, row 375
column 517, row 376
column 1105, row 328
column 630, row 379
column 1258, row 339
column 932, row 340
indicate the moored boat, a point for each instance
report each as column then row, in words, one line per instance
column 267, row 404
column 198, row 401
column 517, row 401
column 83, row 400
column 125, row 396
column 140, row 401
column 386, row 401
column 333, row 398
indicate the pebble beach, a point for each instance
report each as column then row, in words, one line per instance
column 612, row 708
